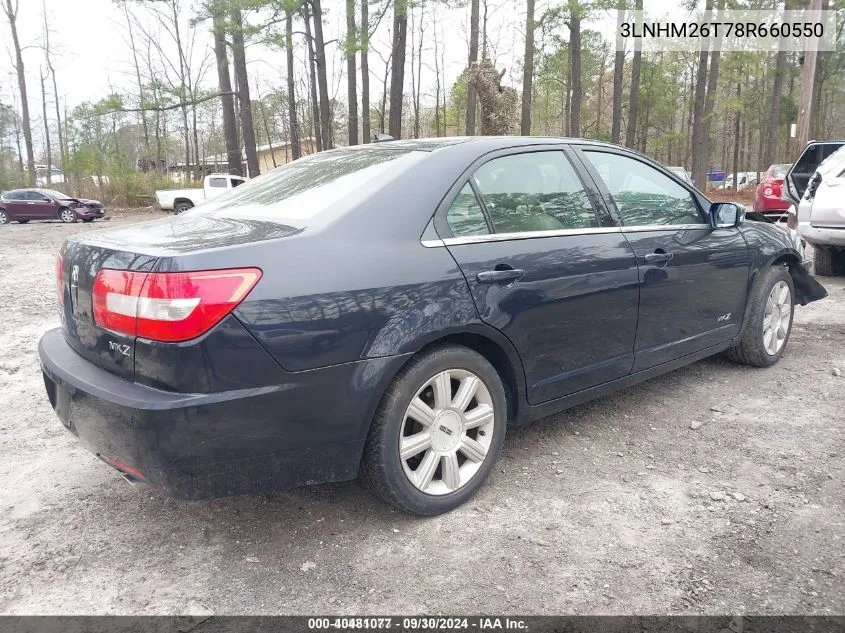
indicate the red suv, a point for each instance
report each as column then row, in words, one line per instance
column 767, row 197
column 24, row 205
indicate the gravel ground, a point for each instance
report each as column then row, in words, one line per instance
column 713, row 489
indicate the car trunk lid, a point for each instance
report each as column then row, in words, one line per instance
column 155, row 246
column 80, row 263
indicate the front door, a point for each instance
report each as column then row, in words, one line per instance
column 39, row 206
column 693, row 278
column 546, row 271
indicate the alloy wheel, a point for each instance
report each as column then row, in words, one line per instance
column 67, row 215
column 446, row 432
column 4, row 217
column 777, row 318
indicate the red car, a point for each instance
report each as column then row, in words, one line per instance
column 24, row 205
column 767, row 197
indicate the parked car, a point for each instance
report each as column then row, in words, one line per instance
column 767, row 197
column 23, row 205
column 682, row 173
column 743, row 179
column 387, row 309
column 821, row 214
column 180, row 200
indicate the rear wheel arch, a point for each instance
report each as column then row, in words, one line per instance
column 182, row 202
column 505, row 361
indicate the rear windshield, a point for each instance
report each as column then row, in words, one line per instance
column 306, row 187
column 779, row 171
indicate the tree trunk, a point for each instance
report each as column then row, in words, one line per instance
column 770, row 156
column 365, row 72
column 52, row 70
column 472, row 97
column 46, row 131
column 137, row 77
column 699, row 166
column 296, row 150
column 737, row 138
column 397, row 74
column 618, row 74
column 351, row 87
column 575, row 68
column 322, row 82
column 224, row 84
column 631, row 130
column 709, row 105
column 527, row 70
column 239, row 61
column 315, row 104
column 12, row 16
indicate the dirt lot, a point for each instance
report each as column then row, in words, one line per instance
column 714, row 489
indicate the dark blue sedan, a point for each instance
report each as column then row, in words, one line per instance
column 387, row 310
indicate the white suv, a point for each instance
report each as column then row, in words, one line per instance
column 821, row 213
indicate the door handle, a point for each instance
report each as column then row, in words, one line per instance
column 658, row 258
column 503, row 276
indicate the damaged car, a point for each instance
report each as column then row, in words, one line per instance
column 388, row 310
column 23, row 205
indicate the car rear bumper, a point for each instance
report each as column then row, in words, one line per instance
column 764, row 204
column 215, row 444
column 822, row 235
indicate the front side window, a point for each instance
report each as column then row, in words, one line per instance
column 465, row 216
column 536, row 191
column 643, row 195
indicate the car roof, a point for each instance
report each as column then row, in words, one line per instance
column 490, row 142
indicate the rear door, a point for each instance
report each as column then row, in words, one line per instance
column 693, row 279
column 15, row 205
column 546, row 268
column 798, row 176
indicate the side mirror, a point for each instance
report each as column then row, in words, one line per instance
column 724, row 215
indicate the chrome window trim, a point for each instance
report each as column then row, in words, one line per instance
column 663, row 227
column 527, row 235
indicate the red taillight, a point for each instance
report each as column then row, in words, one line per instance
column 168, row 306
column 59, row 286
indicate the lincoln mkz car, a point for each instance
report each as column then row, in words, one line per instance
column 23, row 205
column 386, row 310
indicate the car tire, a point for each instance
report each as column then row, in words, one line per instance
column 22, row 221
column 767, row 318
column 397, row 478
column 87, row 219
column 181, row 207
column 824, row 260
column 4, row 217
column 67, row 215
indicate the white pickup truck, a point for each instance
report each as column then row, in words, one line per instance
column 180, row 200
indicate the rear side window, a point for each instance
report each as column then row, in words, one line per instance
column 465, row 216
column 643, row 195
column 217, row 183
column 537, row 191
